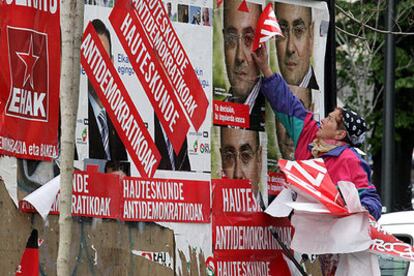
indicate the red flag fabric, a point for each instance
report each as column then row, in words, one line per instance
column 311, row 179
column 29, row 265
column 267, row 27
column 385, row 243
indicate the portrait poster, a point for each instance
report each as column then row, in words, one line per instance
column 237, row 101
column 240, row 154
column 29, row 79
column 299, row 57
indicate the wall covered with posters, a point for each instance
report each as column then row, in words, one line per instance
column 173, row 136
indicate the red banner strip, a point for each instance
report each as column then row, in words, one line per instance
column 136, row 199
column 165, row 200
column 118, row 104
column 133, row 37
column 173, row 58
column 273, row 264
column 231, row 114
column 240, row 227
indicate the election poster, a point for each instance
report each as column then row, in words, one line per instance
column 244, row 241
column 237, row 101
column 299, row 56
column 171, row 130
column 29, row 79
column 148, row 65
column 240, row 154
column 158, row 123
column 101, row 195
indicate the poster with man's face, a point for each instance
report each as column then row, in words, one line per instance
column 236, row 78
column 240, row 154
column 299, row 57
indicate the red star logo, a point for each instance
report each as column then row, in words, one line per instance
column 29, row 60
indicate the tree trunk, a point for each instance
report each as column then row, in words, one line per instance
column 71, row 30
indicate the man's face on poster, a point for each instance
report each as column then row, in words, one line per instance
column 294, row 50
column 241, row 155
column 239, row 30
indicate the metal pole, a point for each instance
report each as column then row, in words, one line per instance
column 388, row 147
column 330, row 62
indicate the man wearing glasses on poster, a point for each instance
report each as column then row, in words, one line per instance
column 242, row 72
column 241, row 156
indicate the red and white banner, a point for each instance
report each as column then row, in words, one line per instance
column 96, row 195
column 165, row 200
column 118, row 104
column 93, row 195
column 267, row 27
column 231, row 114
column 239, row 265
column 29, row 78
column 162, row 66
column 243, row 243
column 311, row 179
column 387, row 244
column 135, row 199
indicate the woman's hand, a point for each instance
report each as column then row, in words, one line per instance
column 261, row 58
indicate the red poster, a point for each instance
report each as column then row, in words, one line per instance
column 243, row 240
column 239, row 265
column 174, row 59
column 310, row 178
column 172, row 200
column 94, row 194
column 29, row 78
column 231, row 114
column 119, row 106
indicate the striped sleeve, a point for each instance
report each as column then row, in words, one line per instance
column 287, row 107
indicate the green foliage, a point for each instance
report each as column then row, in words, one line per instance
column 361, row 63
